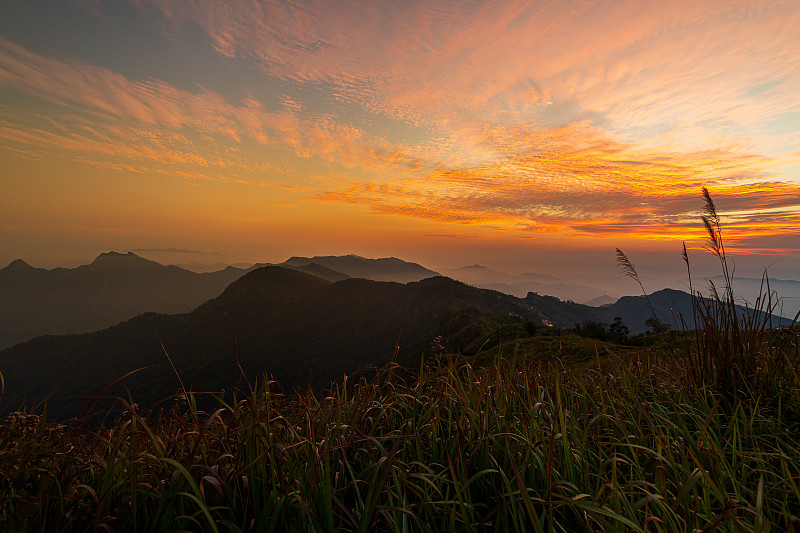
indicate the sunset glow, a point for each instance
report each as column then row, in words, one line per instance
column 417, row 129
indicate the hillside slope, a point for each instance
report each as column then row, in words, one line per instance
column 299, row 328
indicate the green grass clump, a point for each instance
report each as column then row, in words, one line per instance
column 521, row 444
column 738, row 348
column 739, row 353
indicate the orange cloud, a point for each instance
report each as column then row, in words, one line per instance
column 151, row 125
column 574, row 181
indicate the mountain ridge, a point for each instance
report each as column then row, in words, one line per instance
column 520, row 285
column 112, row 288
column 116, row 286
column 381, row 269
column 298, row 327
column 670, row 306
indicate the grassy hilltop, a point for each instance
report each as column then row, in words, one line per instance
column 516, row 443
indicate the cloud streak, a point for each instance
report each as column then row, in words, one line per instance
column 618, row 99
column 150, row 126
column 574, row 181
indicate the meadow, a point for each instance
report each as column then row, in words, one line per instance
column 621, row 443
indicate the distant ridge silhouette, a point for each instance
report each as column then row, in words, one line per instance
column 521, row 284
column 117, row 286
column 112, row 288
column 384, row 269
column 669, row 305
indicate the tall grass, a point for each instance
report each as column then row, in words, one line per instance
column 521, row 445
column 738, row 348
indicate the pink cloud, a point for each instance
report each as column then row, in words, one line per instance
column 578, row 48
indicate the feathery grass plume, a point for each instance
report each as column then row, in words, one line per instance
column 735, row 348
column 626, row 268
column 712, row 222
column 685, row 257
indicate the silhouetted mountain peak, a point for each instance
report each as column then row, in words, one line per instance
column 18, row 265
column 323, row 259
column 116, row 260
column 665, row 296
column 601, row 301
column 476, row 268
column 297, row 260
column 671, row 292
column 114, row 287
column 116, row 257
column 440, row 281
column 276, row 273
column 271, row 279
column 383, row 269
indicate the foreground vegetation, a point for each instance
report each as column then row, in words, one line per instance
column 524, row 444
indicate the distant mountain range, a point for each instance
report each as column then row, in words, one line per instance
column 298, row 327
column 309, row 321
column 601, row 301
column 787, row 292
column 113, row 288
column 668, row 304
column 521, row 284
column 385, row 269
column 116, row 287
column 671, row 307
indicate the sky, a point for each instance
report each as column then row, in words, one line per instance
column 523, row 135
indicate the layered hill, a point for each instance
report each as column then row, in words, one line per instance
column 113, row 288
column 787, row 291
column 521, row 284
column 299, row 328
column 384, row 269
column 671, row 307
column 117, row 287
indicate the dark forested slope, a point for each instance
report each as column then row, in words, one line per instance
column 299, row 328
